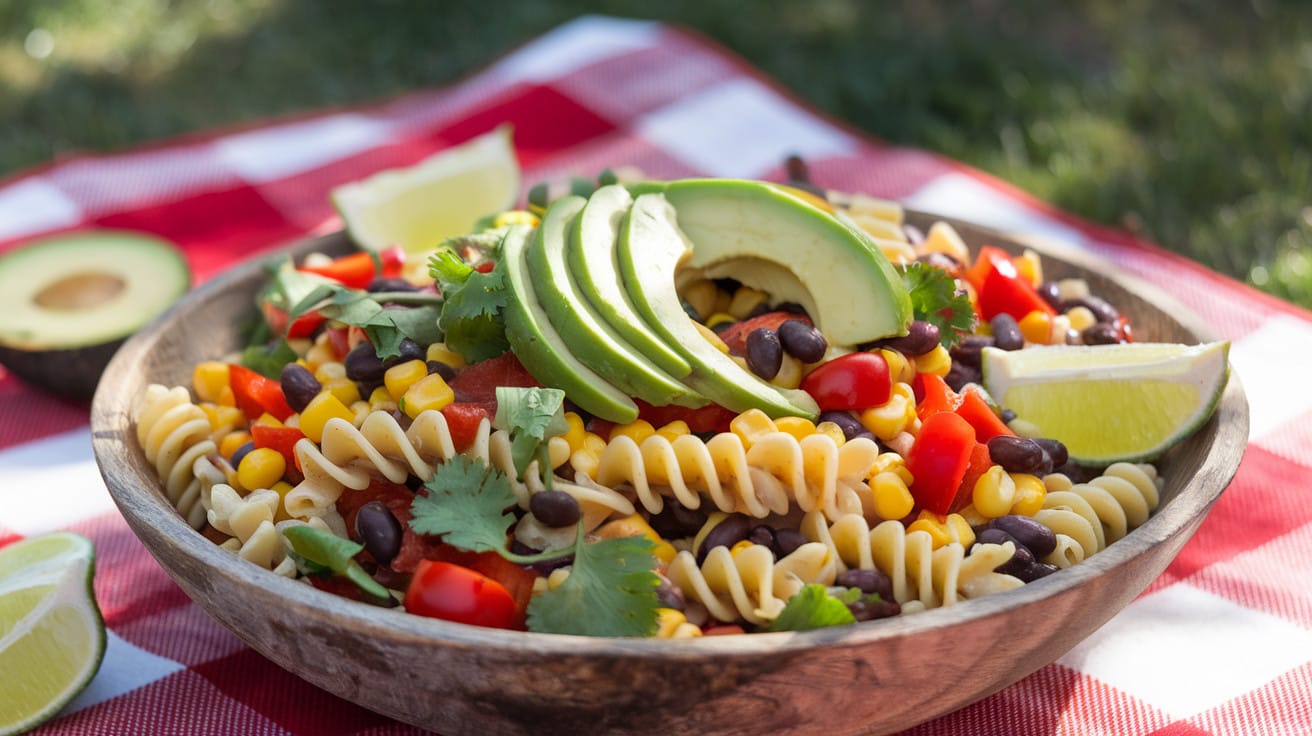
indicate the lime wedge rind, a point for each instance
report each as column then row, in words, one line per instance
column 60, row 640
column 1129, row 402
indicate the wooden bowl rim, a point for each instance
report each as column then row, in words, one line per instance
column 142, row 502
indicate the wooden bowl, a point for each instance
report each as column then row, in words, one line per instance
column 868, row 678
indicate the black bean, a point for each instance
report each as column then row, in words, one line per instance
column 670, row 595
column 845, row 420
column 1055, row 449
column 383, row 283
column 1102, row 310
column 379, row 531
column 916, row 236
column 765, row 356
column 1006, row 332
column 1051, row 293
column 676, row 520
column 545, row 567
column 730, row 531
column 787, row 540
column 802, row 341
column 442, row 369
column 555, row 508
column 791, row 308
column 299, row 385
column 762, row 535
column 1006, row 415
column 870, row 609
column 1101, row 333
column 1023, row 565
column 992, row 535
column 921, row 338
column 1019, row 455
column 1028, row 531
column 240, row 453
column 410, row 350
column 967, row 352
column 870, row 581
column 961, row 374
column 364, row 366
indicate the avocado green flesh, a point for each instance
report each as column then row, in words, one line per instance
column 591, row 256
column 540, row 347
column 588, row 336
column 774, row 241
column 650, row 250
column 86, row 288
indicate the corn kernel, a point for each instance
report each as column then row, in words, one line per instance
column 937, row 361
column 673, row 624
column 943, row 238
column 899, row 368
column 1030, row 267
column 261, row 468
column 751, row 425
column 344, row 389
column 593, row 442
column 440, row 352
column 320, row 352
column 1061, row 327
column 973, row 516
column 1036, row 327
column 515, row 217
column 267, row 420
column 636, row 526
column 712, row 338
column 1030, row 494
column 222, row 418
column 895, row 416
column 576, row 432
column 892, row 462
column 944, row 530
column 402, row 376
column 745, row 300
column 322, row 407
column 701, row 296
column 719, row 318
column 430, row 393
column 994, row 493
column 740, row 546
column 896, row 251
column 380, row 399
column 232, row 442
column 791, row 372
column 281, row 487
column 1082, row 318
column 330, row 371
column 673, row 430
column 892, row 498
column 208, row 380
column 798, row 427
column 637, row 430
column 557, row 577
column 832, row 431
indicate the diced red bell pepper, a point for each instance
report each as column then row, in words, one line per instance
column 999, row 287
column 939, row 459
column 282, row 439
column 735, row 335
column 358, row 269
column 256, row 394
column 933, row 395
column 463, row 420
column 979, row 464
column 281, row 323
column 976, row 410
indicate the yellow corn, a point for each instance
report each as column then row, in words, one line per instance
column 637, row 430
column 943, row 238
column 790, row 373
column 1030, row 267
column 330, row 371
column 576, row 432
column 232, row 442
column 209, row 379
column 899, row 368
column 557, row 576
column 636, row 526
column 887, row 421
column 972, row 516
column 944, row 529
column 891, row 496
column 1082, row 318
column 751, row 425
column 878, row 227
column 740, row 546
column 884, row 209
column 892, row 462
column 268, row 420
column 440, row 352
column 711, row 337
column 380, row 399
column 585, row 461
column 1061, row 326
column 515, row 217
column 1036, row 327
column 345, row 389
column 281, row 487
column 321, row 408
column 897, row 252
column 428, row 393
column 320, row 352
column 222, row 418
column 674, row 430
column 402, row 376
column 672, row 624
column 745, row 300
column 701, row 296
column 593, row 442
column 832, row 431
column 1030, row 494
column 261, row 468
column 937, row 361
column 798, row 427
column 994, row 493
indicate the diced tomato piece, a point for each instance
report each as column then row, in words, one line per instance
column 456, row 593
column 477, row 383
column 723, row 630
column 709, row 418
column 976, row 410
column 485, row 267
column 336, row 585
column 256, row 394
column 463, row 421
column 516, row 579
column 339, row 338
column 938, row 460
column 735, row 335
column 853, row 382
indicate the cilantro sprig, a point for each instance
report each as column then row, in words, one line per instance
column 317, row 552
column 934, row 299
column 531, row 416
column 812, row 608
column 411, row 314
column 611, row 588
column 472, row 300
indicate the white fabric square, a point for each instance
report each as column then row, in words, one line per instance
column 1184, row 650
column 51, row 483
column 574, row 45
column 34, row 205
column 284, row 150
column 1265, row 360
column 740, row 128
column 124, row 669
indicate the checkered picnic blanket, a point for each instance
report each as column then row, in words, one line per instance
column 1220, row 644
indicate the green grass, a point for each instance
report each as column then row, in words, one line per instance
column 1189, row 122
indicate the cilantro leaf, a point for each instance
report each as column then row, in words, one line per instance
column 413, row 315
column 472, row 303
column 325, row 551
column 812, row 608
column 934, row 299
column 268, row 358
column 531, row 416
column 610, row 591
column 467, row 504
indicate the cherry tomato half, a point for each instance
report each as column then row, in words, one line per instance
column 855, row 381
column 453, row 593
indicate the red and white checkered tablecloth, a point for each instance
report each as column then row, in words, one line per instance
column 1220, row 644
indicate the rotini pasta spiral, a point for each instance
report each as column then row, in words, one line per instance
column 749, row 585
column 777, row 471
column 174, row 433
column 255, row 536
column 1086, row 517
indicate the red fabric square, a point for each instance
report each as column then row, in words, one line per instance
column 546, row 122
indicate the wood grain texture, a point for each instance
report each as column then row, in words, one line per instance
column 870, row 678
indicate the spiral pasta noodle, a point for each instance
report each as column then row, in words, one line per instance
column 174, row 433
column 1086, row 517
column 777, row 471
column 749, row 584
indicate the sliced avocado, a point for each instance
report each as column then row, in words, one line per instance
column 775, row 241
column 588, row 336
column 68, row 301
column 591, row 255
column 650, row 250
column 540, row 347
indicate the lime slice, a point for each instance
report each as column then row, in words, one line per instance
column 1110, row 403
column 50, row 628
column 420, row 206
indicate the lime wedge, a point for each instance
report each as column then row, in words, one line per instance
column 52, row 637
column 420, row 206
column 1110, row 403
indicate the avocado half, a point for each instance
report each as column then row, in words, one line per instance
column 68, row 301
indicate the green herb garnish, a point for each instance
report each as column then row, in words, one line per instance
column 531, row 416
column 318, row 552
column 812, row 608
column 471, row 308
column 934, row 299
column 412, row 314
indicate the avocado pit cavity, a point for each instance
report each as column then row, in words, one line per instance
column 80, row 291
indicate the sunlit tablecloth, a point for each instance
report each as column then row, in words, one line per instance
column 1220, row 644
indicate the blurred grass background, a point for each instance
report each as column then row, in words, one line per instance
column 1187, row 122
